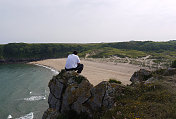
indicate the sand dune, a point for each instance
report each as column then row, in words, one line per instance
column 96, row 71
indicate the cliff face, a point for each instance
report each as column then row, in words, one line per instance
column 70, row 91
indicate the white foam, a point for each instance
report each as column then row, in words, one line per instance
column 30, row 92
column 9, row 117
column 35, row 98
column 53, row 70
column 27, row 116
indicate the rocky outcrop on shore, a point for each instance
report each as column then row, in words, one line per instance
column 145, row 76
column 70, row 91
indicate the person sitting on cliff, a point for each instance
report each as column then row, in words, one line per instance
column 73, row 63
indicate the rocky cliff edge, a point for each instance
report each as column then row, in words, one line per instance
column 70, row 91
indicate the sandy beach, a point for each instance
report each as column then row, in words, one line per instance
column 97, row 71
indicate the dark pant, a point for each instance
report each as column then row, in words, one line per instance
column 79, row 68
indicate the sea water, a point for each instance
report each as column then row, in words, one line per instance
column 23, row 91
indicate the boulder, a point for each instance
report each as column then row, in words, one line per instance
column 50, row 113
column 150, row 80
column 141, row 76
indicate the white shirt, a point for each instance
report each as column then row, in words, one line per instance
column 72, row 61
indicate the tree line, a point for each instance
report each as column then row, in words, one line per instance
column 26, row 52
column 147, row 46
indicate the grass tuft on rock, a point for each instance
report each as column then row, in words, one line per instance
column 79, row 78
column 114, row 81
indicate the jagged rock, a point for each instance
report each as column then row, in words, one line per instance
column 56, row 89
column 140, row 76
column 50, row 113
column 83, row 92
column 147, row 77
column 70, row 91
column 65, row 88
column 150, row 80
column 76, row 94
column 102, row 96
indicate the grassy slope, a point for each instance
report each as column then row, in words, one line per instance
column 150, row 101
column 134, row 49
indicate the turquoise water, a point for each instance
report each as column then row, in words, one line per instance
column 23, row 91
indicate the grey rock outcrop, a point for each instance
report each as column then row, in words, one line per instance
column 70, row 91
column 147, row 77
column 141, row 76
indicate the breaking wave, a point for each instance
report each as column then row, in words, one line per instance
column 53, row 70
column 35, row 98
column 9, row 117
column 27, row 116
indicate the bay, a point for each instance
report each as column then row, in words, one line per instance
column 23, row 91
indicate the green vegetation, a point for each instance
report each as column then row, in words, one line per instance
column 79, row 79
column 173, row 65
column 151, row 101
column 22, row 51
column 108, row 52
column 1, row 52
column 146, row 46
column 114, row 81
column 133, row 49
column 169, row 55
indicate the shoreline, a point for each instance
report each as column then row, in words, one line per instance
column 95, row 72
column 47, row 67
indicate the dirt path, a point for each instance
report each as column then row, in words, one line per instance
column 95, row 71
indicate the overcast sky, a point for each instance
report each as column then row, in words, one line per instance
column 85, row 21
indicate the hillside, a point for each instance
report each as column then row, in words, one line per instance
column 158, row 51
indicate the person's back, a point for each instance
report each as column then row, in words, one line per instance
column 73, row 63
